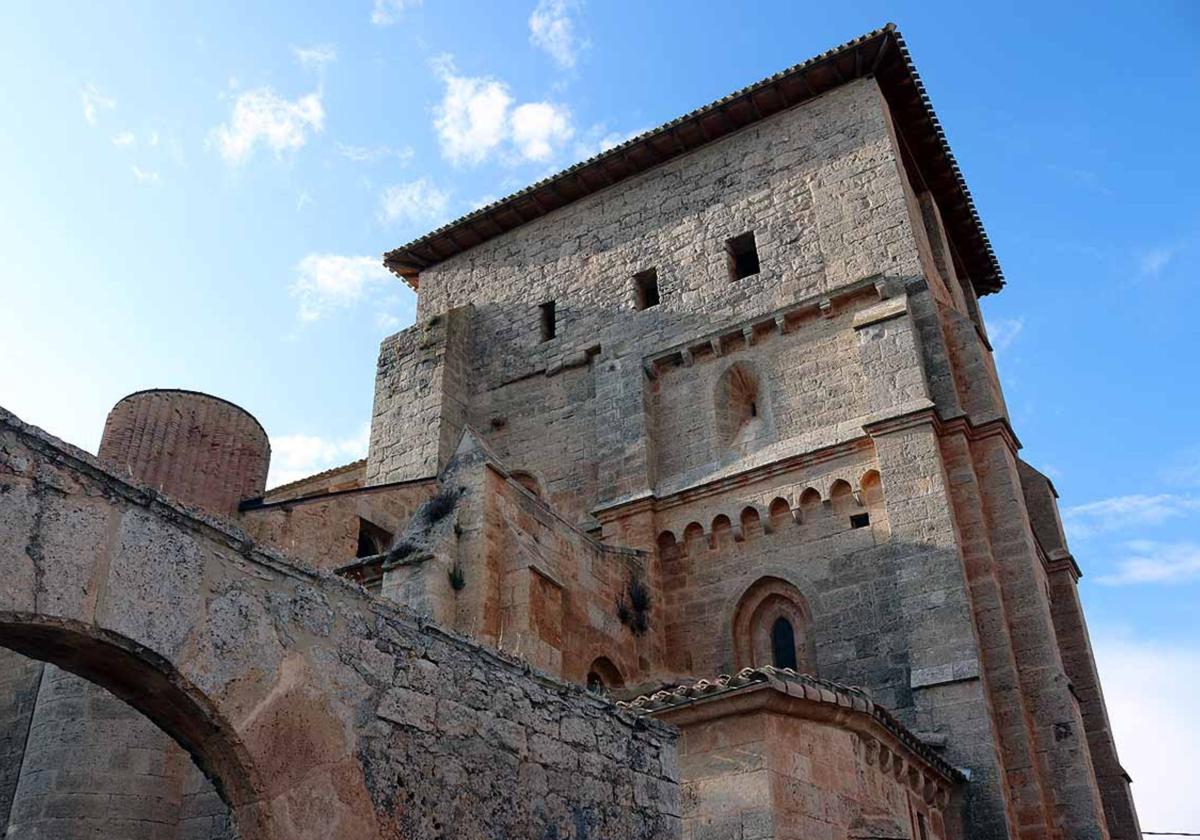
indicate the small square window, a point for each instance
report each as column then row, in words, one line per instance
column 742, row 255
column 549, row 321
column 860, row 520
column 645, row 288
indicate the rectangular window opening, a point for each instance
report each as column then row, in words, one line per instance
column 645, row 288
column 372, row 539
column 860, row 520
column 742, row 255
column 549, row 325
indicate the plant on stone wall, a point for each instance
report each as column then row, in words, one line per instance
column 457, row 579
column 440, row 506
column 633, row 608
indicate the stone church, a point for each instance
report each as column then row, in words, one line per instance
column 692, row 509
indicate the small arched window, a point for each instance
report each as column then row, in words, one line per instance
column 783, row 644
column 741, row 420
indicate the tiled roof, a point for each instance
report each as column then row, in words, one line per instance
column 881, row 54
column 797, row 685
column 353, row 465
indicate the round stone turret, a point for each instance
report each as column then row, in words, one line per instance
column 201, row 450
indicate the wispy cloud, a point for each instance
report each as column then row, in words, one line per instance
column 94, row 102
column 263, row 117
column 598, row 139
column 387, row 12
column 1156, row 729
column 298, row 456
column 1003, row 332
column 124, row 138
column 1121, row 513
column 1146, row 561
column 417, row 202
column 374, row 154
column 1152, row 263
column 315, row 57
column 146, row 176
column 325, row 282
column 552, row 27
column 476, row 120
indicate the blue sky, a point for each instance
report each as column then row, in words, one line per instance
column 198, row 196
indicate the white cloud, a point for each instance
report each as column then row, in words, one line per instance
column 94, row 102
column 1148, row 689
column 145, row 176
column 387, row 12
column 552, row 28
column 1003, row 332
column 387, row 321
column 539, row 128
column 472, row 118
column 333, row 281
column 1124, row 512
column 124, row 138
column 1154, row 261
column 416, row 202
column 316, row 56
column 476, row 119
column 374, row 154
column 298, row 456
column 1146, row 561
column 263, row 116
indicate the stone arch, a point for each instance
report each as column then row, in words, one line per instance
column 693, row 538
column 668, row 547
column 780, row 513
column 603, row 675
column 810, row 504
column 751, row 523
column 841, row 497
column 741, row 408
column 722, row 531
column 150, row 684
column 755, row 620
column 871, row 488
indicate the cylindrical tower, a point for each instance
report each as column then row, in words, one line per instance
column 201, row 450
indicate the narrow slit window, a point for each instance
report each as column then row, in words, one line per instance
column 860, row 520
column 742, row 255
column 783, row 644
column 645, row 288
column 549, row 321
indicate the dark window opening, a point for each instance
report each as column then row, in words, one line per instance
column 860, row 520
column 783, row 644
column 372, row 539
column 549, row 325
column 645, row 288
column 743, row 256
column 753, row 408
column 595, row 683
column 922, row 828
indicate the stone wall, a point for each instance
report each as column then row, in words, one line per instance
column 320, row 711
column 323, row 531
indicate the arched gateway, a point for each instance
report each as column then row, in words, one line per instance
column 317, row 710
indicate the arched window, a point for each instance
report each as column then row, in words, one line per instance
column 783, row 644
column 722, row 531
column 603, row 676
column 693, row 538
column 751, row 523
column 780, row 513
column 668, row 548
column 772, row 625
